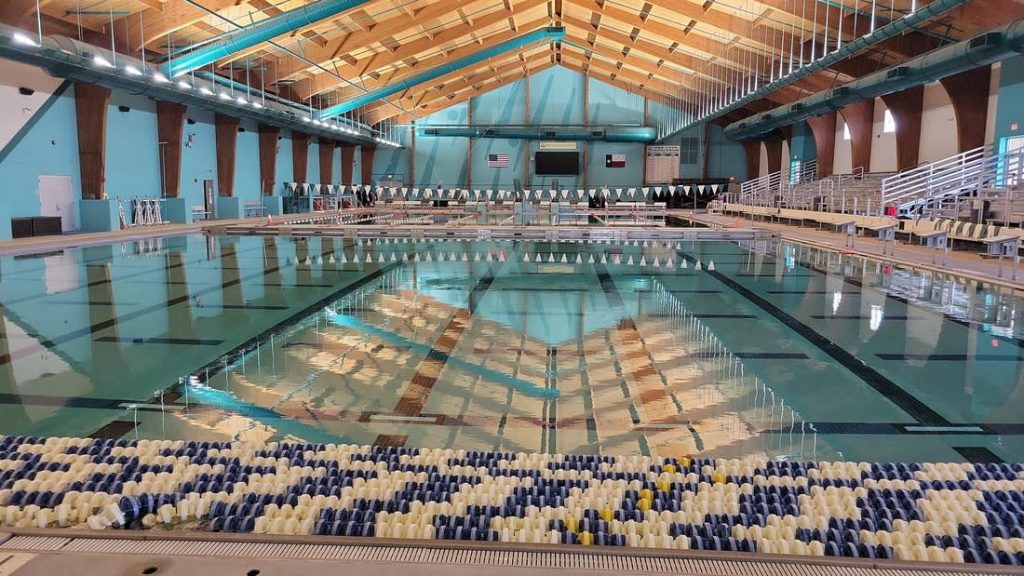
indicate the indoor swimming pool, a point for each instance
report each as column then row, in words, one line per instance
column 663, row 348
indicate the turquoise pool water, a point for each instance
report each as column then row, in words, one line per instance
column 618, row 348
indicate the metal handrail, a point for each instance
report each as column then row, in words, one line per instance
column 967, row 171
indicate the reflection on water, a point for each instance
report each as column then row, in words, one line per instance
column 614, row 347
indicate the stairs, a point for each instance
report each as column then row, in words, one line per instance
column 933, row 187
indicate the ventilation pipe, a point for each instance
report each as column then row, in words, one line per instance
column 549, row 34
column 982, row 50
column 640, row 134
column 894, row 28
column 64, row 57
column 233, row 42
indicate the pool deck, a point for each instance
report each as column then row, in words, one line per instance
column 46, row 552
column 75, row 240
column 959, row 262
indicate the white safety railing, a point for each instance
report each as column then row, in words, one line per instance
column 808, row 172
column 763, row 186
column 964, row 174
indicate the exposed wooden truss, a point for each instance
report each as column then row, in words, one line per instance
column 669, row 50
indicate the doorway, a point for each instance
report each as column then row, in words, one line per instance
column 57, row 200
column 1012, row 168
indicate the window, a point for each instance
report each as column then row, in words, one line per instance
column 689, row 150
column 888, row 123
column 846, row 132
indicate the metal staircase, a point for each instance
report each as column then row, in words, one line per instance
column 937, row 183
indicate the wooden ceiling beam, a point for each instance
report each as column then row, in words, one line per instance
column 451, row 99
column 156, row 25
column 734, row 56
column 355, row 46
column 359, row 40
column 458, row 80
column 710, row 72
column 400, row 73
column 20, row 13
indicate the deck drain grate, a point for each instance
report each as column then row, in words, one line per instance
column 412, row 554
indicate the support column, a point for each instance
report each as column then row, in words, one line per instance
column 268, row 158
column 969, row 93
column 824, row 130
column 644, row 149
column 705, row 148
column 906, row 108
column 469, row 145
column 170, row 124
column 859, row 117
column 527, row 120
column 91, row 102
column 586, row 122
column 348, row 163
column 412, row 156
column 300, row 156
column 366, row 154
column 227, row 151
column 327, row 149
column 774, row 150
column 752, row 148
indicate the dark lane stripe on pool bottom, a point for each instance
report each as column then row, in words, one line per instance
column 887, row 388
column 953, row 357
column 174, row 341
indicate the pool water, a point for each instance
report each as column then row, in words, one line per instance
column 718, row 348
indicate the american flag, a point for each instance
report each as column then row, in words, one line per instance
column 497, row 160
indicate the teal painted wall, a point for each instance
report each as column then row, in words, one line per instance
column 357, row 163
column 503, row 106
column 1010, row 104
column 247, row 162
column 726, row 158
column 443, row 161
column 556, row 97
column 313, row 162
column 285, row 170
column 198, row 160
column 393, row 163
column 335, row 167
column 133, row 156
column 47, row 145
column 802, row 145
column 611, row 105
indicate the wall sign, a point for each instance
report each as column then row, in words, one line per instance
column 662, row 164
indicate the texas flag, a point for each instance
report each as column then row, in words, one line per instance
column 614, row 160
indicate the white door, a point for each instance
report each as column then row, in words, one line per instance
column 56, row 199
